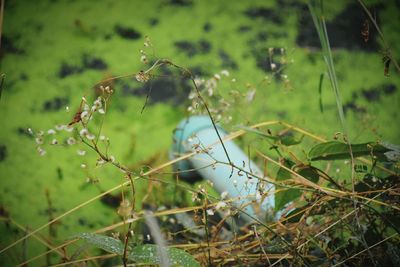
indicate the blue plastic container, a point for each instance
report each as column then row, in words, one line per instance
column 197, row 133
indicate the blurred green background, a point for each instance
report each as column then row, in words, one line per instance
column 54, row 51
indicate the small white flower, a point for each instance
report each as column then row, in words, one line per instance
column 41, row 151
column 233, row 80
column 198, row 83
column 67, row 109
column 220, row 205
column 225, row 73
column 98, row 102
column 93, row 109
column 143, row 59
column 217, row 77
column 102, row 138
column 60, row 127
column 112, row 158
column 85, row 115
column 39, row 140
column 83, row 132
column 90, row 136
column 54, row 142
column 81, row 152
column 83, row 166
column 69, row 128
column 30, row 131
column 100, row 162
column 71, row 141
column 86, row 107
column 102, row 111
column 51, row 131
column 210, row 212
column 273, row 66
column 224, row 195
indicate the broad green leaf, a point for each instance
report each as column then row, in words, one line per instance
column 103, row 242
column 286, row 140
column 287, row 195
column 337, row 150
column 310, row 174
column 148, row 254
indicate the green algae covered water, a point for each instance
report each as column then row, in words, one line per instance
column 54, row 52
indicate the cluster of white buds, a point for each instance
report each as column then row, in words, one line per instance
column 217, row 105
column 142, row 76
column 84, row 133
column 106, row 90
column 195, row 197
column 143, row 57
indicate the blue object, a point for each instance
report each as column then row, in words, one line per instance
column 197, row 133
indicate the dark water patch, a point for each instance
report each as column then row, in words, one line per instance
column 374, row 94
column 207, row 27
column 187, row 47
column 205, row 46
column 289, row 4
column 153, row 21
column 111, row 200
column 67, row 70
column 94, row 63
column 227, row 61
column 55, row 104
column 193, row 48
column 23, row 76
column 279, row 35
column 166, row 87
column 353, row 107
column 344, row 30
column 282, row 115
column 389, row 89
column 267, row 63
column 244, row 28
column 262, row 36
column 3, row 152
column 8, row 46
column 60, row 174
column 126, row 32
column 199, row 71
column 181, row 3
column 264, row 13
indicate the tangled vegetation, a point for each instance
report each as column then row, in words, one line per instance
column 336, row 202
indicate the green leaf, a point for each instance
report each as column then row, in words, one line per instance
column 337, row 150
column 103, row 242
column 310, row 174
column 286, row 140
column 287, row 195
column 148, row 254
